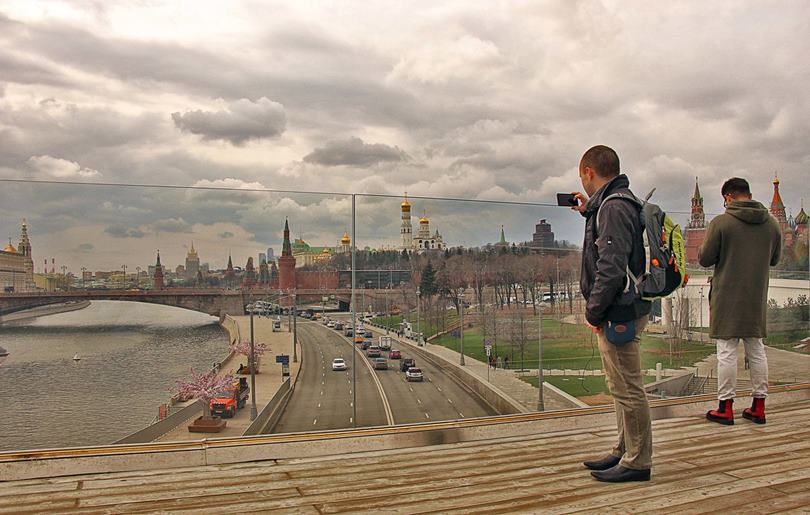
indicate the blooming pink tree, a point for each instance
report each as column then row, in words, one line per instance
column 243, row 348
column 204, row 386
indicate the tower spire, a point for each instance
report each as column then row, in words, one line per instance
column 777, row 206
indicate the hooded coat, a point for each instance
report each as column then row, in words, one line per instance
column 741, row 244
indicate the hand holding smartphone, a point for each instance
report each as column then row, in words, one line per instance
column 566, row 200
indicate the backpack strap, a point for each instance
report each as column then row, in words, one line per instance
column 632, row 278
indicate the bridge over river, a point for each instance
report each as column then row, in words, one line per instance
column 216, row 302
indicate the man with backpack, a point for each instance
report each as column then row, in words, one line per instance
column 613, row 258
column 740, row 244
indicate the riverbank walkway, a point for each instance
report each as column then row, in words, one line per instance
column 699, row 468
column 268, row 380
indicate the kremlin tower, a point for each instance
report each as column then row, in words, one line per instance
column 405, row 229
column 158, row 277
column 249, row 279
column 696, row 228
column 286, row 263
column 230, row 275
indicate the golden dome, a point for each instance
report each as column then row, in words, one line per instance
column 345, row 240
column 424, row 220
column 406, row 206
column 10, row 248
column 325, row 251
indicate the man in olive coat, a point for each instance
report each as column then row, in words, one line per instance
column 741, row 244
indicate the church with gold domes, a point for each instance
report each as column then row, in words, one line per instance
column 17, row 265
column 424, row 241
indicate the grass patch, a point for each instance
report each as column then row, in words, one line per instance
column 567, row 346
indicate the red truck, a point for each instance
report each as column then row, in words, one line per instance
column 230, row 399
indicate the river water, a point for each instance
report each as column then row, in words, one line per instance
column 131, row 355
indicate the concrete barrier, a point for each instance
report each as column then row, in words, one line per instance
column 154, row 431
column 271, row 411
column 671, row 386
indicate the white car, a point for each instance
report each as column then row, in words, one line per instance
column 338, row 364
column 413, row 374
column 330, row 324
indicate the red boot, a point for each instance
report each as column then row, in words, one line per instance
column 723, row 414
column 756, row 413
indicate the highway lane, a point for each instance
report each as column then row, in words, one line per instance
column 322, row 398
column 437, row 397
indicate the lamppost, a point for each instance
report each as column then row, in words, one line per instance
column 295, row 326
column 124, row 279
column 418, row 320
column 387, row 315
column 701, row 314
column 540, row 401
column 138, row 277
column 83, row 271
column 461, row 331
column 253, row 411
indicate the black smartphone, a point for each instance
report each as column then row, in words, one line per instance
column 566, row 199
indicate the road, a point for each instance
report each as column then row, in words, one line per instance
column 322, row 400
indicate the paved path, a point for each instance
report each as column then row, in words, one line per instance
column 268, row 379
column 783, row 366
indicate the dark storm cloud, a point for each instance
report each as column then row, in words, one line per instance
column 354, row 152
column 242, row 121
column 121, row 231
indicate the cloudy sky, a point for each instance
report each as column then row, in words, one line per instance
column 480, row 100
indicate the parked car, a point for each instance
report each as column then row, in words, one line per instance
column 414, row 374
column 338, row 364
column 373, row 352
column 406, row 364
column 394, row 354
column 380, row 363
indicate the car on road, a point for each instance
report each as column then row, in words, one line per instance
column 338, row 364
column 330, row 324
column 406, row 363
column 338, row 326
column 414, row 374
column 394, row 354
column 373, row 352
column 348, row 332
column 369, row 334
column 380, row 363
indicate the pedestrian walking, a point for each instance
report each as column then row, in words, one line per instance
column 740, row 244
column 608, row 252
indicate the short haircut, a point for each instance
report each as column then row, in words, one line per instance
column 735, row 187
column 603, row 160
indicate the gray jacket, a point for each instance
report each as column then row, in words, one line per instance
column 606, row 253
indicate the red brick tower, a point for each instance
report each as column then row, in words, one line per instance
column 230, row 275
column 158, row 277
column 778, row 212
column 696, row 228
column 286, row 263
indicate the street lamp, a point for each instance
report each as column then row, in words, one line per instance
column 461, row 332
column 253, row 411
column 540, row 401
column 387, row 314
column 124, row 279
column 295, row 327
column 701, row 314
column 138, row 277
column 83, row 271
column 418, row 310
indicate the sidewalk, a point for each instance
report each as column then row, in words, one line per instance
column 268, row 379
column 507, row 381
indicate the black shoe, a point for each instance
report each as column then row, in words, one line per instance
column 605, row 463
column 619, row 474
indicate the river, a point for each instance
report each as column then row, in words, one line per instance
column 131, row 355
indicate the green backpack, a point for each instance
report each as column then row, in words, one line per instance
column 664, row 250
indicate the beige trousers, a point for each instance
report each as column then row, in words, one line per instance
column 622, row 365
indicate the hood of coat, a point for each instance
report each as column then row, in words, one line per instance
column 620, row 181
column 749, row 211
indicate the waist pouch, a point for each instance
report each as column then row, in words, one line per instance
column 619, row 333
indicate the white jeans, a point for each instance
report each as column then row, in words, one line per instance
column 727, row 367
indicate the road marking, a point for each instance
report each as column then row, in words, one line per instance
column 322, row 383
column 321, row 392
column 351, row 404
column 450, row 401
column 409, row 388
column 418, row 401
column 319, row 404
column 427, row 415
column 462, row 414
column 438, row 388
column 350, row 420
column 315, row 422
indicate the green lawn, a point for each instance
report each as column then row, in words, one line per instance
column 427, row 329
column 573, row 347
column 578, row 386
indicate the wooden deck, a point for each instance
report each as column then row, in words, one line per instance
column 699, row 468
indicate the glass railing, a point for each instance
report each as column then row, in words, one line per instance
column 103, row 343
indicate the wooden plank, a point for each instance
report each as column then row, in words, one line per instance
column 802, row 485
column 753, row 469
column 755, row 506
column 727, row 503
